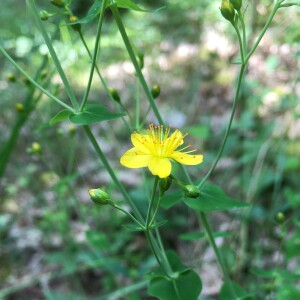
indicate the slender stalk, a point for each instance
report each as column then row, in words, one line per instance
column 137, row 107
column 111, row 172
column 31, row 4
column 131, row 53
column 274, row 10
column 240, row 43
column 156, row 210
column 151, row 202
column 104, row 83
column 33, row 82
column 98, row 35
column 241, row 17
column 212, row 168
column 129, row 215
column 156, row 252
column 211, row 240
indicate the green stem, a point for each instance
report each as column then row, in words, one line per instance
column 111, row 171
column 33, row 82
column 31, row 4
column 221, row 262
column 129, row 215
column 242, row 50
column 161, row 261
column 156, row 210
column 137, row 107
column 103, row 81
column 274, row 10
column 241, row 17
column 151, row 202
column 212, row 168
column 87, row 91
column 131, row 53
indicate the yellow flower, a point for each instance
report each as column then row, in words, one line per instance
column 155, row 148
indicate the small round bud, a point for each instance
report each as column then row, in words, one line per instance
column 26, row 80
column 44, row 74
column 237, row 4
column 280, row 217
column 115, row 94
column 44, row 15
column 101, row 197
column 58, row 3
column 140, row 56
column 36, row 148
column 19, row 107
column 191, row 191
column 72, row 129
column 155, row 91
column 11, row 77
column 164, row 184
column 75, row 27
column 227, row 10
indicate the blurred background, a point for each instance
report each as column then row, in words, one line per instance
column 56, row 243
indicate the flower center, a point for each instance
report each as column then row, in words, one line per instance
column 160, row 143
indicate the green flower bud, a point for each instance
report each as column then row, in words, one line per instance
column 44, row 15
column 36, row 148
column 191, row 191
column 75, row 27
column 44, row 74
column 115, row 94
column 58, row 3
column 26, row 81
column 280, row 217
column 11, row 77
column 19, row 107
column 140, row 56
column 164, row 184
column 227, row 10
column 101, row 197
column 155, row 91
column 237, row 4
column 72, row 129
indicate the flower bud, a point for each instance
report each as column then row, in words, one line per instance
column 99, row 196
column 155, row 91
column 26, row 81
column 44, row 74
column 237, row 4
column 75, row 27
column 191, row 191
column 11, row 77
column 36, row 148
column 140, row 56
column 227, row 10
column 58, row 3
column 115, row 94
column 44, row 15
column 280, row 217
column 19, row 107
column 164, row 184
column 72, row 129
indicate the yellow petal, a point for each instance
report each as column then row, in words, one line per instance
column 160, row 166
column 134, row 158
column 140, row 141
column 174, row 141
column 187, row 159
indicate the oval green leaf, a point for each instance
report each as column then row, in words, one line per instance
column 60, row 116
column 93, row 113
column 213, row 198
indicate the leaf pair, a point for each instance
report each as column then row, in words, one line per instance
column 92, row 113
column 96, row 7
